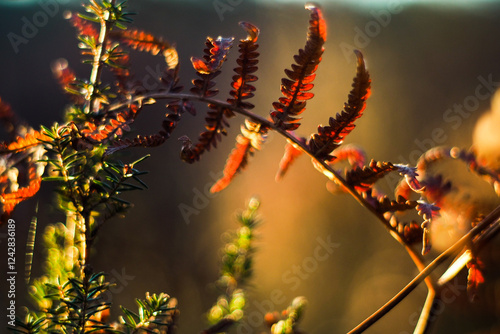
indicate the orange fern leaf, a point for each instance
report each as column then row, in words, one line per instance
column 296, row 88
column 474, row 277
column 23, row 143
column 83, row 26
column 141, row 41
column 354, row 155
column 251, row 138
column 292, row 152
column 10, row 200
column 330, row 137
column 237, row 160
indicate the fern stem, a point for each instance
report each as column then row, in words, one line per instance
column 427, row 314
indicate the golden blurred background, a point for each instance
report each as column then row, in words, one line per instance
column 424, row 57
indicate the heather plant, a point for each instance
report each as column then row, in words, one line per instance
column 82, row 156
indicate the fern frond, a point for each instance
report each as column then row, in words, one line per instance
column 331, row 136
column 400, row 204
column 83, row 26
column 411, row 232
column 354, row 155
column 292, row 152
column 296, row 88
column 140, row 40
column 247, row 61
column 142, row 141
column 104, row 132
column 215, row 54
column 363, row 178
column 251, row 139
column 216, row 120
column 23, row 143
column 216, row 123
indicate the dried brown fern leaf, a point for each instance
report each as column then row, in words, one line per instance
column 400, row 204
column 215, row 54
column 215, row 125
column 411, row 232
column 247, row 61
column 383, row 204
column 296, row 88
column 169, row 123
column 363, row 178
column 331, row 136
column 216, row 120
column 138, row 141
column 251, row 139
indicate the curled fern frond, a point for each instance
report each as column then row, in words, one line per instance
column 215, row 54
column 251, row 139
column 331, row 136
column 296, row 88
column 292, row 152
column 467, row 156
column 247, row 61
column 410, row 174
